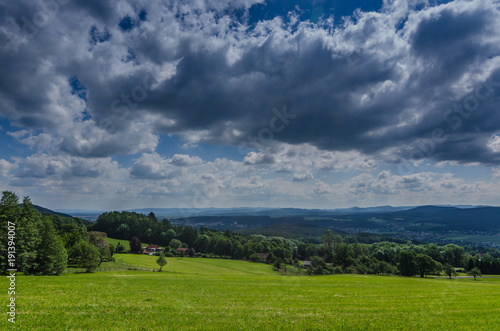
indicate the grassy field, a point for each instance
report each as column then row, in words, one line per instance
column 228, row 295
column 476, row 238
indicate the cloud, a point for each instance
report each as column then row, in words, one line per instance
column 6, row 167
column 302, row 177
column 253, row 158
column 183, row 160
column 371, row 85
column 332, row 106
column 152, row 166
column 63, row 167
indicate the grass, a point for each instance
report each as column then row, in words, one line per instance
column 212, row 294
column 476, row 238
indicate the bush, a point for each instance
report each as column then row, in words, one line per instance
column 254, row 257
column 337, row 270
column 319, row 270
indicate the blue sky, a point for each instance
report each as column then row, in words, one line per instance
column 309, row 104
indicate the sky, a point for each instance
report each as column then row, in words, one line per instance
column 229, row 103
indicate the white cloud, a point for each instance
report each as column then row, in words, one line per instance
column 6, row 167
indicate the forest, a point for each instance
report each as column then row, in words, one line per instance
column 335, row 254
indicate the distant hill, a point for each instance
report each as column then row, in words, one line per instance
column 293, row 231
column 50, row 212
column 475, row 219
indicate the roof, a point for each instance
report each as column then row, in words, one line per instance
column 153, row 246
column 182, row 249
column 263, row 256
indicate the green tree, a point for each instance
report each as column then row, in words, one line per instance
column 88, row 256
column 254, row 257
column 449, row 270
column 407, row 263
column 175, row 243
column 328, row 246
column 470, row 264
column 475, row 272
column 52, row 258
column 426, row 264
column 277, row 264
column 161, row 261
column 28, row 237
column 9, row 212
column 344, row 256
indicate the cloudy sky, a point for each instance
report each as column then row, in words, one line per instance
column 223, row 103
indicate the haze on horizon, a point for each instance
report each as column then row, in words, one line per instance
column 250, row 103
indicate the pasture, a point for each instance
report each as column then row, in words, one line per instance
column 212, row 294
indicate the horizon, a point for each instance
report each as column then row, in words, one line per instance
column 255, row 103
column 328, row 209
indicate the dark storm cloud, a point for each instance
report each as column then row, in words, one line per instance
column 370, row 85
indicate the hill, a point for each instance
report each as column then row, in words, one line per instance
column 50, row 212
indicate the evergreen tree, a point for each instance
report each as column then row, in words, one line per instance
column 9, row 212
column 470, row 264
column 29, row 237
column 52, row 257
column 135, row 245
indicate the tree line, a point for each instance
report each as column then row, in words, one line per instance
column 46, row 244
column 333, row 255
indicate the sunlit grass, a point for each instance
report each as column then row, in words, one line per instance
column 228, row 295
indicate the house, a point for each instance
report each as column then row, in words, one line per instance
column 182, row 249
column 152, row 249
column 263, row 256
column 307, row 264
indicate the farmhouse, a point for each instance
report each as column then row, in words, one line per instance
column 152, row 249
column 307, row 264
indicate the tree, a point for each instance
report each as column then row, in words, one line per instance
column 175, row 243
column 9, row 212
column 119, row 247
column 407, row 263
column 277, row 264
column 449, row 270
column 470, row 264
column 383, row 268
column 161, row 261
column 152, row 216
column 475, row 272
column 28, row 237
column 135, row 245
column 328, row 246
column 189, row 235
column 344, row 256
column 426, row 264
column 88, row 256
column 52, row 258
column 254, row 257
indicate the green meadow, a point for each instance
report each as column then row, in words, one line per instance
column 209, row 294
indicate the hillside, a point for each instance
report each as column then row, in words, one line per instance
column 214, row 294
